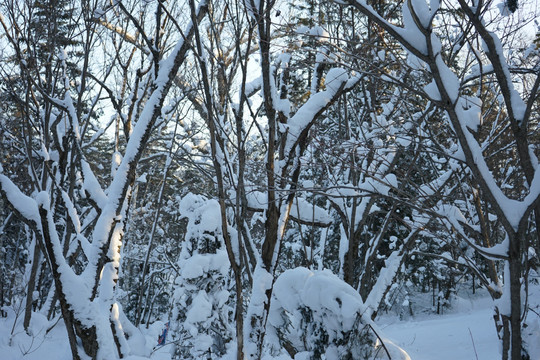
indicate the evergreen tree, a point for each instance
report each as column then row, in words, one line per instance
column 202, row 309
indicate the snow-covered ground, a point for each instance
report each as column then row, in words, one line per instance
column 465, row 335
column 465, row 332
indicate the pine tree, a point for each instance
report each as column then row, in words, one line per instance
column 202, row 315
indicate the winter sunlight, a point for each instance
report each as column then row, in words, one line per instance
column 270, row 179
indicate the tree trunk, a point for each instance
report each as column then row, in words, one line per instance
column 31, row 285
column 64, row 306
column 515, row 298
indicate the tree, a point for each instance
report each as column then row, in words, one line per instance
column 220, row 152
column 465, row 113
column 86, row 293
column 202, row 307
column 317, row 314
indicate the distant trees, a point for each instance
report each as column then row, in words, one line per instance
column 189, row 160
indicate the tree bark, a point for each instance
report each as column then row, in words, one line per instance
column 67, row 313
column 515, row 297
column 36, row 260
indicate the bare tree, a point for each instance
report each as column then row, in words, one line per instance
column 86, row 293
column 487, row 66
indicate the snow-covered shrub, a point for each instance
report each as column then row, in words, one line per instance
column 318, row 313
column 202, row 312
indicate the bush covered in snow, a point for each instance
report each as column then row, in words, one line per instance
column 202, row 311
column 318, row 314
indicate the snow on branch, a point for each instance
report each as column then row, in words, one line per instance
column 336, row 80
column 309, row 214
column 24, row 205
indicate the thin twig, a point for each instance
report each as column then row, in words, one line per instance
column 381, row 340
column 474, row 347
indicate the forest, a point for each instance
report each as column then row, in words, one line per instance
column 266, row 179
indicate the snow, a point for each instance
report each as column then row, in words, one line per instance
column 253, row 86
column 329, row 301
column 336, row 78
column 517, row 105
column 343, row 247
column 410, row 32
column 325, row 290
column 319, row 33
column 422, row 11
column 113, row 204
column 432, row 91
column 196, row 208
column 306, row 212
column 53, row 345
column 448, row 78
column 385, row 278
column 201, row 308
column 262, row 281
column 467, row 335
column 465, row 332
column 472, row 107
column 513, row 209
column 91, row 185
column 25, row 205
column 72, row 212
column 199, row 264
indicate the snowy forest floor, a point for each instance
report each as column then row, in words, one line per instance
column 465, row 331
